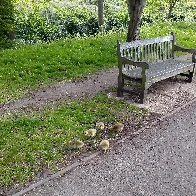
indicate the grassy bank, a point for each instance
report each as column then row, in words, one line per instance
column 34, row 141
column 29, row 67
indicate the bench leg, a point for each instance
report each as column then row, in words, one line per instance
column 144, row 89
column 143, row 96
column 143, row 92
column 190, row 77
column 120, row 86
column 191, row 74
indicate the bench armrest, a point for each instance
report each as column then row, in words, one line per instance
column 126, row 60
column 189, row 50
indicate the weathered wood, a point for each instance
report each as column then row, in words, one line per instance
column 173, row 43
column 125, row 60
column 194, row 58
column 150, row 61
column 120, row 76
column 126, row 45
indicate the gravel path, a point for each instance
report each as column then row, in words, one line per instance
column 160, row 161
column 88, row 86
column 162, row 97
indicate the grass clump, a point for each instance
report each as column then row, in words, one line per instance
column 37, row 140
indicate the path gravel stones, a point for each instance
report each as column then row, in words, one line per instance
column 162, row 97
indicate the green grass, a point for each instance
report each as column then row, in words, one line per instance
column 29, row 67
column 37, row 140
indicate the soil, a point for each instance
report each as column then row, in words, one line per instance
column 162, row 98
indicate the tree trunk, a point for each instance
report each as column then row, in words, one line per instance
column 170, row 11
column 100, row 15
column 135, row 8
column 172, row 4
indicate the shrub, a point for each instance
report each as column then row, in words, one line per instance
column 53, row 21
column 158, row 11
column 44, row 21
column 49, row 23
column 6, row 22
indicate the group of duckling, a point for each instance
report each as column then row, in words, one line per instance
column 104, row 144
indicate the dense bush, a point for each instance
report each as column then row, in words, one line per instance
column 6, row 21
column 48, row 24
column 48, row 21
column 158, row 11
column 53, row 21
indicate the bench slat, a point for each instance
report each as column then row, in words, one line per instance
column 138, row 43
column 157, row 69
column 148, row 50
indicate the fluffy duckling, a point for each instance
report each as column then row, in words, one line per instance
column 91, row 132
column 76, row 144
column 100, row 125
column 104, row 144
column 118, row 127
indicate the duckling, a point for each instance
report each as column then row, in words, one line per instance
column 100, row 125
column 104, row 144
column 91, row 132
column 117, row 127
column 76, row 144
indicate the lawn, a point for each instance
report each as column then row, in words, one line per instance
column 25, row 69
column 30, row 67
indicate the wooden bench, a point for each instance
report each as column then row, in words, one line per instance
column 150, row 61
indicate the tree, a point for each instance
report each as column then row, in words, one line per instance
column 6, row 23
column 135, row 8
column 6, row 20
column 100, row 15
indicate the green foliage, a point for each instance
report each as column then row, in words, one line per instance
column 51, row 21
column 156, row 10
column 48, row 24
column 6, row 21
column 44, row 21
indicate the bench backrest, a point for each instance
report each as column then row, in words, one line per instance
column 151, row 50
